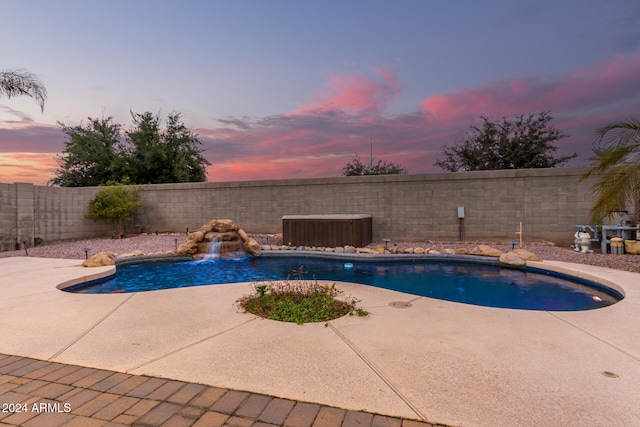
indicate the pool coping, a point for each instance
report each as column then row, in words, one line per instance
column 486, row 366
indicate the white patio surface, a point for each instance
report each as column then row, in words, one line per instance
column 438, row 361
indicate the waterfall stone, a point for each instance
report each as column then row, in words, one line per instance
column 224, row 234
column 196, row 236
column 189, row 247
column 251, row 247
column 223, row 225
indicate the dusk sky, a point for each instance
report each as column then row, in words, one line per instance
column 281, row 89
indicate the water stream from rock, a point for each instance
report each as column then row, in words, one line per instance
column 214, row 249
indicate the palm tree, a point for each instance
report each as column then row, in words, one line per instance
column 21, row 82
column 616, row 162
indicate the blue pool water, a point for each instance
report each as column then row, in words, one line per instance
column 470, row 283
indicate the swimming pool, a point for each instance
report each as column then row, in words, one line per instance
column 464, row 282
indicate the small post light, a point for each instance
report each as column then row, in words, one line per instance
column 138, row 227
column 461, row 223
column 86, row 252
column 175, row 240
column 268, row 237
column 24, row 243
column 513, row 245
column 386, row 243
column 187, row 231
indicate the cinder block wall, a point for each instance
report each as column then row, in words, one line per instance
column 8, row 216
column 548, row 202
column 59, row 214
column 29, row 212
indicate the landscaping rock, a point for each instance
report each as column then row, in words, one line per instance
column 512, row 258
column 364, row 251
column 132, row 254
column 485, row 250
column 100, row 259
column 526, row 255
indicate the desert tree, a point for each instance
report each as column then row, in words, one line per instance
column 101, row 151
column 356, row 168
column 156, row 155
column 116, row 202
column 92, row 154
column 520, row 143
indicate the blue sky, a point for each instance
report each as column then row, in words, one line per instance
column 293, row 89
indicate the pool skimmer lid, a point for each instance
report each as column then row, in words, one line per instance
column 400, row 304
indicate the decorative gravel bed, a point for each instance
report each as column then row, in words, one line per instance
column 163, row 243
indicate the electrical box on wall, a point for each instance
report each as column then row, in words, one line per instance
column 460, row 212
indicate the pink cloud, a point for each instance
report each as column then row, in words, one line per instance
column 585, row 89
column 357, row 93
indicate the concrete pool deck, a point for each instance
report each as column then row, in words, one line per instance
column 436, row 361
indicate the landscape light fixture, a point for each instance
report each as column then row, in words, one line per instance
column 24, row 243
column 268, row 237
column 176, row 242
column 386, row 243
column 187, row 231
column 461, row 223
column 513, row 244
column 86, row 252
column 138, row 227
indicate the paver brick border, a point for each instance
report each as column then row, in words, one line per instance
column 36, row 393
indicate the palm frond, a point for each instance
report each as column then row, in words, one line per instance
column 616, row 163
column 625, row 133
column 617, row 187
column 20, row 82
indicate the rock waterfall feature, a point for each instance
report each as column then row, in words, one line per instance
column 222, row 234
